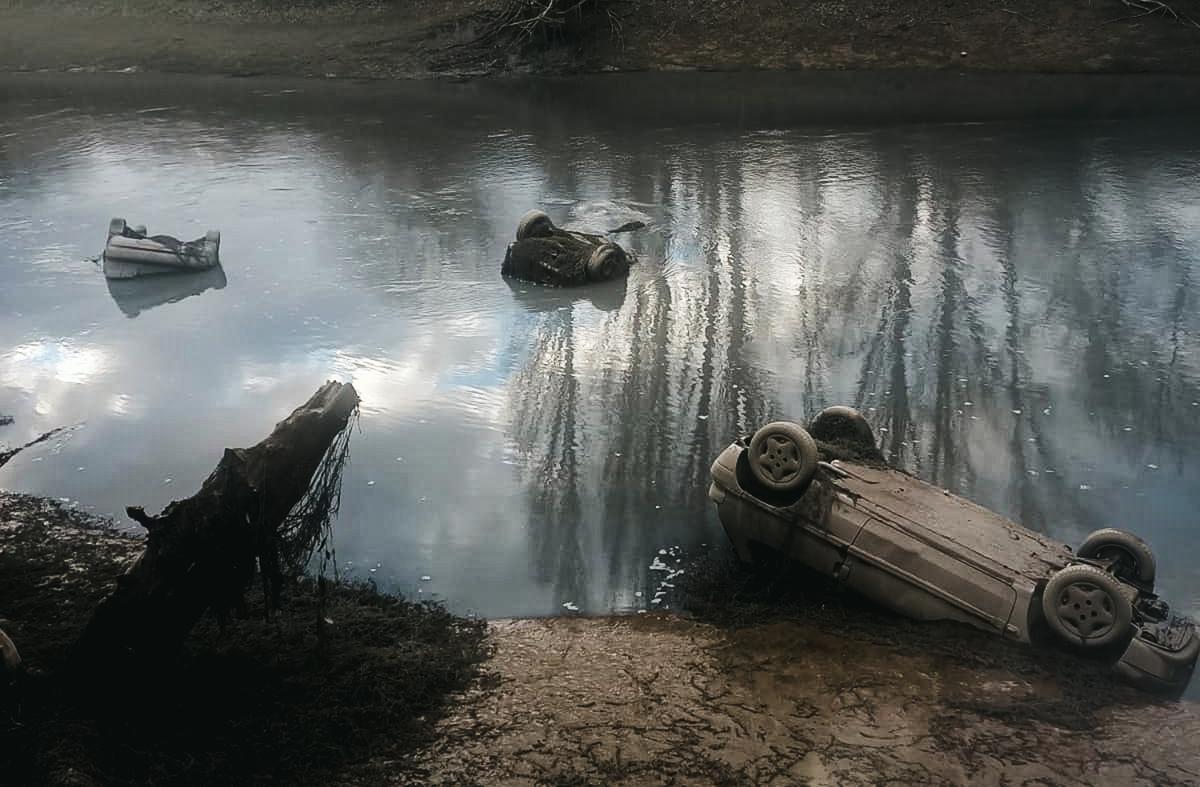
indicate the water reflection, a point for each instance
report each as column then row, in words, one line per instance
column 134, row 296
column 605, row 296
column 1012, row 306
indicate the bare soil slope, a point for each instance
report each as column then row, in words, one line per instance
column 406, row 38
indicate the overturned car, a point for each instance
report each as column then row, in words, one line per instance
column 929, row 554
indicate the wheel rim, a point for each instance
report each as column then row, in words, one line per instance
column 1086, row 610
column 780, row 458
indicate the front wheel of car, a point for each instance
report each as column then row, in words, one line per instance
column 1129, row 557
column 783, row 457
column 1086, row 607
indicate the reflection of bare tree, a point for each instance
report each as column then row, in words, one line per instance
column 942, row 301
column 887, row 347
column 555, row 477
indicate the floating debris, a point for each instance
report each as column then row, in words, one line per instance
column 1152, row 466
column 570, row 606
column 1084, row 487
column 426, row 578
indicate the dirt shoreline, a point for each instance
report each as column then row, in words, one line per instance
column 423, row 38
column 807, row 688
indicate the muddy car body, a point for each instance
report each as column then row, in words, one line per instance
column 933, row 555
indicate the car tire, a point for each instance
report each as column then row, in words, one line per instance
column 534, row 223
column 600, row 264
column 1086, row 607
column 842, row 424
column 783, row 457
column 1134, row 562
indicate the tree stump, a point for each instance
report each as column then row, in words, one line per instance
column 203, row 552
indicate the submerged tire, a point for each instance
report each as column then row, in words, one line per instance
column 606, row 262
column 783, row 457
column 534, row 224
column 841, row 424
column 1086, row 607
column 10, row 660
column 1132, row 559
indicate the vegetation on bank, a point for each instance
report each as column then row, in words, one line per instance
column 409, row 38
column 337, row 686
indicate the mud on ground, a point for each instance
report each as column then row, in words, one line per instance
column 669, row 701
column 776, row 678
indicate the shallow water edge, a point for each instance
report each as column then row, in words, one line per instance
column 762, row 99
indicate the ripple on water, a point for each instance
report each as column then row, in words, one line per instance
column 968, row 286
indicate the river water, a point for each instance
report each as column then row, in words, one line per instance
column 1013, row 305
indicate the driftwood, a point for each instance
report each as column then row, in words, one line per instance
column 203, row 552
column 9, row 454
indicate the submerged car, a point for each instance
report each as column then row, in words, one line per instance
column 131, row 251
column 933, row 555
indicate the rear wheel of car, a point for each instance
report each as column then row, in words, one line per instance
column 1087, row 608
column 841, row 424
column 1130, row 556
column 783, row 457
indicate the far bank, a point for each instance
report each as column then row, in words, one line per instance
column 421, row 38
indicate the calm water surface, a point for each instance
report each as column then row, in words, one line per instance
column 1013, row 306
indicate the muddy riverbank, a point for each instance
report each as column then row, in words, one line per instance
column 407, row 38
column 766, row 682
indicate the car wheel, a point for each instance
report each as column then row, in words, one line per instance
column 783, row 457
column 1086, row 607
column 534, row 224
column 841, row 424
column 1131, row 557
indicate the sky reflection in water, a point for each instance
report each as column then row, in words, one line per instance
column 1013, row 307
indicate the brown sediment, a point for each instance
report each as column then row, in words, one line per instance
column 663, row 700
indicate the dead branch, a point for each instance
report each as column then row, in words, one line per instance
column 519, row 23
column 5, row 456
column 1152, row 7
